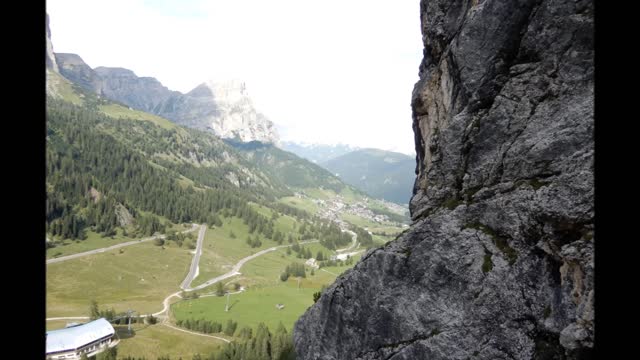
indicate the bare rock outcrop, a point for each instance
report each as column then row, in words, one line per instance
column 50, row 58
column 499, row 262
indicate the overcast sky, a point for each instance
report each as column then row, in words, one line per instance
column 331, row 71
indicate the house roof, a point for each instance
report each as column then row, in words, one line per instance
column 78, row 336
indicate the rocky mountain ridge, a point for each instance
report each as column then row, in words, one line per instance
column 498, row 263
column 224, row 108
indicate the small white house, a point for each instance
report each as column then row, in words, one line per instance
column 91, row 338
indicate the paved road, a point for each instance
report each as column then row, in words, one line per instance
column 98, row 251
column 233, row 272
column 236, row 268
column 193, row 271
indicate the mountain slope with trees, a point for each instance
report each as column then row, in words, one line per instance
column 381, row 174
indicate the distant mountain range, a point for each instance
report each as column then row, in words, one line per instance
column 317, row 153
column 224, row 108
column 381, row 174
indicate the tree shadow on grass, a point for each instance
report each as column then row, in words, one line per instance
column 123, row 332
column 233, row 304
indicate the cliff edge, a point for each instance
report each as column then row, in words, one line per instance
column 499, row 261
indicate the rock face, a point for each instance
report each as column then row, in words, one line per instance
column 235, row 116
column 499, row 261
column 143, row 93
column 75, row 69
column 224, row 108
column 50, row 57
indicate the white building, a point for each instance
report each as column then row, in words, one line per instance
column 91, row 338
column 312, row 263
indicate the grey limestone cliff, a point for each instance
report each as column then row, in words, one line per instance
column 50, row 58
column 499, row 261
column 223, row 108
column 142, row 93
column 75, row 69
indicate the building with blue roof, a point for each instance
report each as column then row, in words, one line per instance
column 91, row 338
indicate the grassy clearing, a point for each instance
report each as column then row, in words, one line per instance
column 350, row 196
column 253, row 306
column 322, row 194
column 153, row 341
column 265, row 289
column 302, row 204
column 285, row 223
column 386, row 226
column 92, row 242
column 266, row 269
column 119, row 111
column 96, row 241
column 139, row 278
column 220, row 251
column 340, row 269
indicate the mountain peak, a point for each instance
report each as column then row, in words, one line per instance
column 235, row 116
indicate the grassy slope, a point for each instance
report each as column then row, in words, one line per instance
column 63, row 88
column 255, row 305
column 220, row 252
column 96, row 241
column 119, row 111
column 302, row 204
column 153, row 341
column 114, row 279
column 261, row 277
column 92, row 242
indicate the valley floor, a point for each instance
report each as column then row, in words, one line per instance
column 139, row 276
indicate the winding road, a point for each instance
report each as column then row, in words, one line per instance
column 113, row 247
column 193, row 270
column 354, row 238
column 236, row 268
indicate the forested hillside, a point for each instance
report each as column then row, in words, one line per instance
column 90, row 171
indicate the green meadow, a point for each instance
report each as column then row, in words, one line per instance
column 135, row 277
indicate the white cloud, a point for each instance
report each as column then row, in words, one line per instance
column 330, row 71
